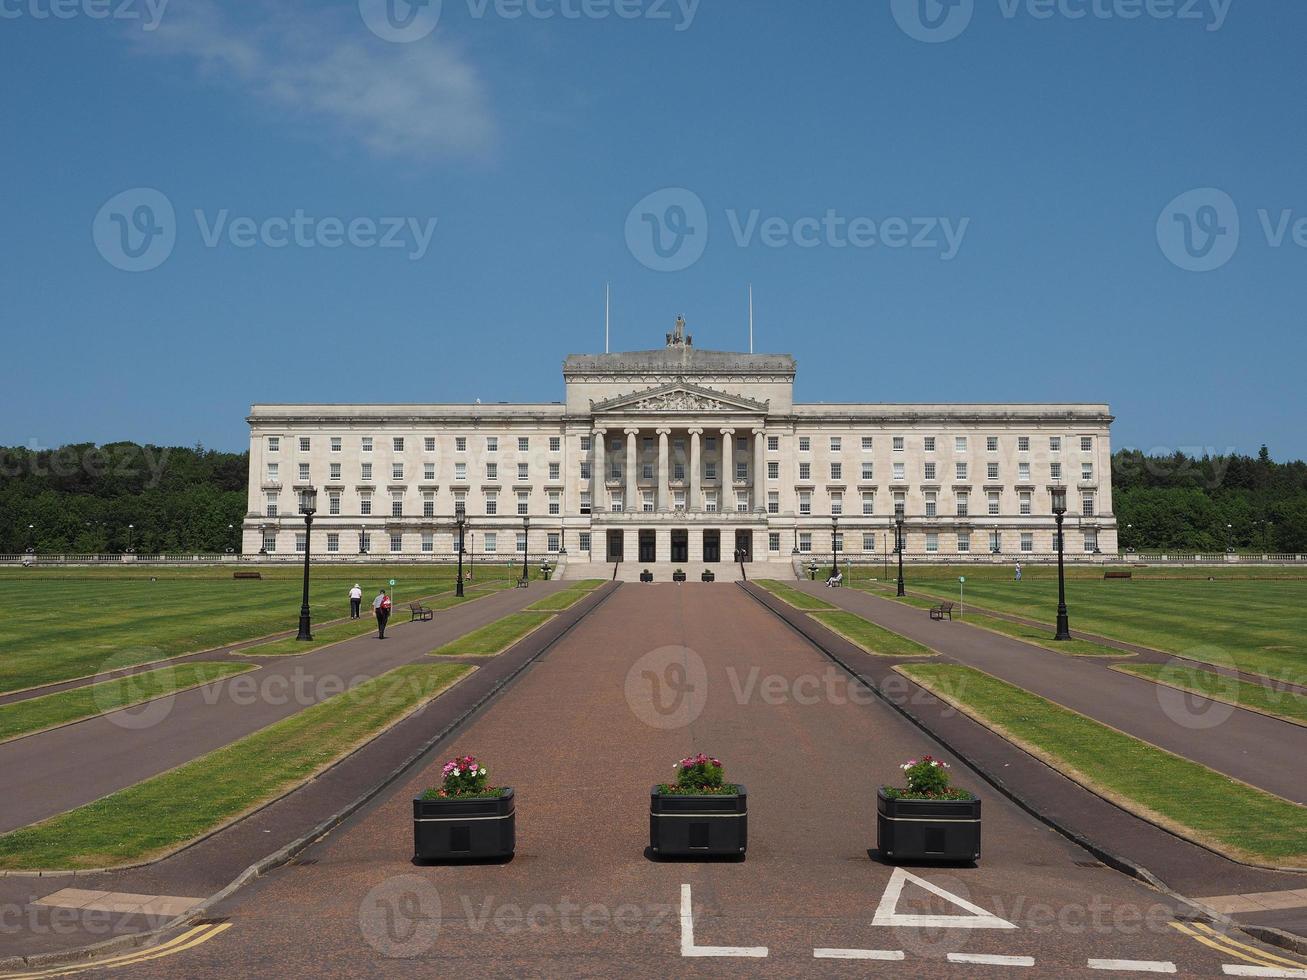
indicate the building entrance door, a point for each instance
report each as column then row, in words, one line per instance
column 680, row 546
column 744, row 545
column 648, row 547
column 615, row 546
column 712, row 546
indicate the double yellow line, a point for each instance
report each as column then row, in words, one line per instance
column 187, row 940
column 1222, row 943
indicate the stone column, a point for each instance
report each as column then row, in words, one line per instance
column 726, row 505
column 760, row 470
column 692, row 502
column 662, row 500
column 632, row 505
column 598, row 468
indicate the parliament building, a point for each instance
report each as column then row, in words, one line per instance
column 681, row 455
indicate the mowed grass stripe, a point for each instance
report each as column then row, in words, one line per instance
column 495, row 637
column 870, row 637
column 1228, row 816
column 1261, row 698
column 322, row 636
column 797, row 599
column 163, row 813
column 65, row 707
column 558, row 601
column 1042, row 636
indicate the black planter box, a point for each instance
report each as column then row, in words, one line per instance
column 927, row 830
column 678, row 576
column 646, row 576
column 712, row 824
column 708, row 576
column 462, row 830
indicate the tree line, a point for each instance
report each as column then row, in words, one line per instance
column 106, row 499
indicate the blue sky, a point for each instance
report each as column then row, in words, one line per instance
column 994, row 201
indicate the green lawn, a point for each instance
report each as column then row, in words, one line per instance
column 1233, row 818
column 61, row 624
column 797, row 599
column 1241, row 618
column 323, row 636
column 1042, row 636
column 496, row 637
column 161, row 814
column 1218, row 687
column 52, row 710
column 869, row 636
column 561, row 600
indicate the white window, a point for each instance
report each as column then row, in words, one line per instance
column 805, row 502
column 365, row 472
column 429, row 444
column 647, row 501
column 805, row 542
column 397, row 471
column 365, row 444
column 615, row 471
column 490, row 542
column 868, row 503
column 991, row 471
column 304, row 472
column 397, row 443
column 396, row 505
column 1023, row 472
column 552, row 542
column 773, row 541
column 365, row 504
column 270, row 509
column 555, row 503
column 868, row 542
column 273, row 470
column 678, row 499
column 710, row 501
column 898, row 444
column 995, row 542
column 615, row 501
column 586, row 472
column 868, row 469
column 523, row 444
column 333, row 543
column 964, row 542
column 585, row 448
column 646, row 471
column 993, row 503
column 928, row 444
column 773, row 502
column 523, row 503
column 555, row 446
column 460, row 444
column 1087, row 504
column 304, row 444
column 1086, row 444
column 270, row 541
column 519, row 542
column 960, row 444
column 963, row 503
column 805, row 472
column 773, row 444
column 334, row 472
column 274, row 444
column 1086, row 471
column 837, row 471
column 585, row 506
column 1091, row 542
column 299, row 542
column 835, row 443
column 584, row 540
column 805, row 444
column 932, row 504
column 460, row 472
column 838, row 541
column 867, row 444
column 899, row 473
column 1023, row 444
column 335, row 444
column 837, row 503
column 1024, row 499
column 742, row 501
column 428, row 542
column 709, row 444
column 960, row 470
column 1027, row 541
column 991, row 444
column 333, row 504
column 1054, row 444
column 523, row 471
column 428, row 505
column 492, row 444
column 1055, row 471
column 492, row 471
column 928, row 471
column 428, row 471
column 773, row 470
column 932, row 542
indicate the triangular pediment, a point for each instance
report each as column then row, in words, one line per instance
column 678, row 398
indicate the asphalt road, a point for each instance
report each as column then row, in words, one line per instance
column 655, row 673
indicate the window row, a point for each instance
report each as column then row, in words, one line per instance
column 929, row 444
column 398, row 444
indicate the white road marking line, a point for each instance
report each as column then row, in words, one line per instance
column 1238, row 970
column 987, row 959
column 887, row 912
column 688, row 948
column 1134, row 966
column 857, row 954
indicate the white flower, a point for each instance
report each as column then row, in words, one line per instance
column 483, row 772
column 457, row 772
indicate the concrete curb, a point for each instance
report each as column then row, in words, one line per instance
column 1271, row 936
column 285, row 853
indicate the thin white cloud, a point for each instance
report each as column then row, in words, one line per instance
column 415, row 100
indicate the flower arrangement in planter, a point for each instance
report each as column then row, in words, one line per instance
column 678, row 575
column 646, row 576
column 708, row 575
column 464, row 818
column 700, row 813
column 927, row 820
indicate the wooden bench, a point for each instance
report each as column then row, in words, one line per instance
column 420, row 612
column 942, row 610
column 258, row 575
column 1118, row 575
column 523, row 583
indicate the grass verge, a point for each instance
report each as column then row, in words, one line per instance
column 495, row 637
column 52, row 710
column 1041, row 636
column 1230, row 817
column 1262, row 698
column 559, row 601
column 163, row 813
column 797, row 599
column 872, row 638
column 323, row 636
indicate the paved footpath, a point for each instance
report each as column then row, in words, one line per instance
column 655, row 673
column 1234, row 742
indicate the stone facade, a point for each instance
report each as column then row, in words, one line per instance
column 680, row 454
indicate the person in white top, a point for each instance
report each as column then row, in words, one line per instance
column 355, row 601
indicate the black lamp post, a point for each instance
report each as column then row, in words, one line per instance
column 308, row 507
column 526, row 546
column 796, row 539
column 1059, row 512
column 460, row 521
column 898, row 543
column 31, row 539
column 1229, row 539
column 834, row 545
column 995, row 546
column 130, row 529
column 231, row 536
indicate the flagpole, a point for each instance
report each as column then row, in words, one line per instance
column 607, row 316
column 750, row 318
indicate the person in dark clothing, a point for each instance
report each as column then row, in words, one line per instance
column 381, row 606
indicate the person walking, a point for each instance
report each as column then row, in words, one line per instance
column 381, row 606
column 355, row 602
column 1018, row 575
